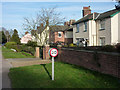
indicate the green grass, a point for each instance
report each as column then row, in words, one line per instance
column 66, row 76
column 7, row 53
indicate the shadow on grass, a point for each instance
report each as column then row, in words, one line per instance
column 46, row 71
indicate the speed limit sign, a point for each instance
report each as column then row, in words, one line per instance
column 53, row 52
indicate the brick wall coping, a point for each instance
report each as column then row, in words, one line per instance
column 109, row 53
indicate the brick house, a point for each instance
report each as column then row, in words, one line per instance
column 62, row 33
column 97, row 28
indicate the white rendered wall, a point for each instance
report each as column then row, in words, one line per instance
column 119, row 28
column 69, row 34
column 114, row 29
column 92, row 33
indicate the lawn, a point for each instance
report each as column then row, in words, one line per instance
column 66, row 76
column 7, row 53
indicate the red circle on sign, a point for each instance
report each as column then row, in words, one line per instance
column 51, row 52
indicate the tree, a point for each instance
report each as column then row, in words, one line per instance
column 7, row 35
column 44, row 18
column 4, row 39
column 118, row 5
column 15, row 37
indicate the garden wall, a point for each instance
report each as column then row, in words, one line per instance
column 107, row 63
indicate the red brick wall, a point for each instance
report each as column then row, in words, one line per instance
column 53, row 37
column 46, row 55
column 109, row 63
column 62, row 39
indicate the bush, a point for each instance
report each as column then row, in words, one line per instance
column 27, row 49
column 108, row 48
column 118, row 47
column 31, row 43
column 72, row 45
column 10, row 44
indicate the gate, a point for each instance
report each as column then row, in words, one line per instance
column 41, row 52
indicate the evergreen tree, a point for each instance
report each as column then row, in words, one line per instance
column 4, row 39
column 15, row 37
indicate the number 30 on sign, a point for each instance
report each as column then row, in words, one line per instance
column 53, row 52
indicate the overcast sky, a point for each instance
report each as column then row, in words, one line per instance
column 13, row 12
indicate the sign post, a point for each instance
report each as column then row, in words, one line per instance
column 52, row 68
column 53, row 53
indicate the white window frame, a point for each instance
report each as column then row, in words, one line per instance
column 77, row 28
column 102, row 24
column 59, row 33
column 102, row 43
column 85, row 26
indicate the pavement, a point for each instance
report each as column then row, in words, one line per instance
column 0, row 69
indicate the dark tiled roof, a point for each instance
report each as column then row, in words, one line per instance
column 70, row 28
column 57, row 28
column 107, row 14
column 86, row 18
column 97, row 16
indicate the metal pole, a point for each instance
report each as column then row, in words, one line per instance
column 52, row 68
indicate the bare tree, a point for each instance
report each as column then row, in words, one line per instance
column 44, row 18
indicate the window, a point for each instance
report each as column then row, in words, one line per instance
column 77, row 28
column 85, row 26
column 59, row 34
column 102, row 41
column 102, row 24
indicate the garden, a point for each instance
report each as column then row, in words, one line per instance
column 66, row 76
column 9, row 53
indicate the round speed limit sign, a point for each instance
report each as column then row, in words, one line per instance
column 53, row 52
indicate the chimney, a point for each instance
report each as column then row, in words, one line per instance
column 38, row 27
column 26, row 33
column 71, row 21
column 41, row 25
column 86, row 11
column 66, row 23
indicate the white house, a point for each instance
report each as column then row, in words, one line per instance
column 98, row 28
column 26, row 38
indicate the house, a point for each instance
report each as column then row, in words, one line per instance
column 54, row 33
column 62, row 33
column 26, row 38
column 97, row 28
column 42, row 36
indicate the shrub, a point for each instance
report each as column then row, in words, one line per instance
column 65, row 45
column 10, row 44
column 118, row 47
column 31, row 43
column 27, row 49
column 108, row 48
column 72, row 45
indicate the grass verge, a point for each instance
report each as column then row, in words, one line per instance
column 7, row 53
column 66, row 76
